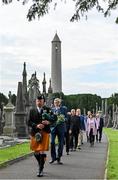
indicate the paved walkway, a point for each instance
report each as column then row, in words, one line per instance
column 88, row 163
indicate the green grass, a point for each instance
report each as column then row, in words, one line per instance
column 13, row 152
column 113, row 153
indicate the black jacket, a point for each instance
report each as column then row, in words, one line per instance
column 35, row 118
column 67, row 122
column 75, row 124
column 101, row 124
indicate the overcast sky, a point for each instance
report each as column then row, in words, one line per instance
column 89, row 49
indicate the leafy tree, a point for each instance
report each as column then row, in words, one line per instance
column 41, row 7
column 3, row 99
column 87, row 101
column 113, row 100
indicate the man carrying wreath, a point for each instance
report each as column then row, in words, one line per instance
column 58, row 129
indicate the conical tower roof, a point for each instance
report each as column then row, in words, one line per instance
column 56, row 38
column 50, row 90
column 44, row 79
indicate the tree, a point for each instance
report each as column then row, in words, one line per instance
column 113, row 100
column 3, row 99
column 87, row 101
column 41, row 7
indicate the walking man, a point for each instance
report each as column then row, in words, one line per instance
column 58, row 129
column 40, row 130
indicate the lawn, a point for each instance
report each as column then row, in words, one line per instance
column 13, row 152
column 113, row 153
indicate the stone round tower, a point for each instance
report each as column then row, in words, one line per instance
column 56, row 72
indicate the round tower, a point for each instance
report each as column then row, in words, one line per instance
column 56, row 72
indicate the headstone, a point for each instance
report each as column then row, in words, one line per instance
column 9, row 128
column 33, row 89
column 103, row 106
column 20, row 114
column 49, row 99
column 106, row 116
column 93, row 111
column 106, row 107
column 113, row 115
column 100, row 113
column 115, row 125
column 96, row 107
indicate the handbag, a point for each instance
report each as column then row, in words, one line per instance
column 38, row 137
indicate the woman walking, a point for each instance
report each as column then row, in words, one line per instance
column 91, row 129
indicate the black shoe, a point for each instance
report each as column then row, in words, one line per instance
column 92, row 144
column 40, row 174
column 78, row 147
column 52, row 161
column 67, row 153
column 59, row 161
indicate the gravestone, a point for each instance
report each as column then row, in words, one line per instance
column 33, row 89
column 96, row 107
column 9, row 128
column 20, row 114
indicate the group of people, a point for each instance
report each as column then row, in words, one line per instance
column 45, row 124
column 94, row 126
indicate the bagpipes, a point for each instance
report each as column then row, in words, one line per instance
column 48, row 115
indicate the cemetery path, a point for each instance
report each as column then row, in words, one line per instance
column 87, row 163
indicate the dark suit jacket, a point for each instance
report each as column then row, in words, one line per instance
column 101, row 124
column 68, row 119
column 35, row 118
column 75, row 124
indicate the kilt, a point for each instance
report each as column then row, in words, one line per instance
column 40, row 146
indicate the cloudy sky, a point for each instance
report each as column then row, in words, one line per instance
column 89, row 49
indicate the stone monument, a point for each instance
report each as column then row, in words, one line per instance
column 9, row 128
column 44, row 85
column 33, row 89
column 20, row 114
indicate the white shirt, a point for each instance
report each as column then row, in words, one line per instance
column 39, row 109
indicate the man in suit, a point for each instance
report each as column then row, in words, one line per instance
column 82, row 128
column 39, row 128
column 100, row 128
column 67, row 135
column 74, row 129
column 58, row 129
